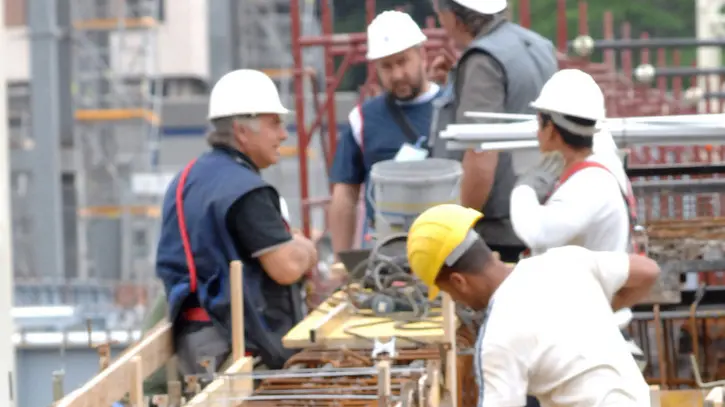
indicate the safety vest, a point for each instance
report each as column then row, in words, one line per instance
column 195, row 250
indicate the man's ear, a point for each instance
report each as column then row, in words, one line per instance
column 457, row 281
column 239, row 133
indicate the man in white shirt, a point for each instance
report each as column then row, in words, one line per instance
column 561, row 349
column 575, row 195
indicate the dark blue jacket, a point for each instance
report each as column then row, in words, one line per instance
column 214, row 183
column 373, row 136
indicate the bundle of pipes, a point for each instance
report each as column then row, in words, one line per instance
column 518, row 131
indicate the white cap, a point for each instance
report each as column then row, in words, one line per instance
column 244, row 92
column 392, row 32
column 574, row 93
column 484, row 6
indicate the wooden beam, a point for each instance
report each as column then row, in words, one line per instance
column 237, row 304
column 221, row 391
column 109, row 386
column 450, row 326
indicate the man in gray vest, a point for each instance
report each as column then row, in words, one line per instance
column 502, row 67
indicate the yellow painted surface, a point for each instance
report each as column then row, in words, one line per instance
column 110, row 115
column 107, row 24
column 110, row 211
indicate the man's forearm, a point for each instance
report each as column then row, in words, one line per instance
column 479, row 171
column 643, row 274
column 305, row 253
column 628, row 297
column 342, row 224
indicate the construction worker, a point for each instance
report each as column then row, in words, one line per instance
column 219, row 209
column 501, row 69
column 574, row 195
column 545, row 330
column 393, row 125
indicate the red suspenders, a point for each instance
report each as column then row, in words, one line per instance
column 191, row 314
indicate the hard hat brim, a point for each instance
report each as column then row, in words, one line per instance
column 280, row 111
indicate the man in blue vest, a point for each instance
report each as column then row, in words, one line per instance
column 503, row 66
column 219, row 209
column 392, row 125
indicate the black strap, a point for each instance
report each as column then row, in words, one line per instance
column 401, row 120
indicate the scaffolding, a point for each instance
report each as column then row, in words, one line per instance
column 117, row 94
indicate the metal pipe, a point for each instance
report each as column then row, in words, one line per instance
column 310, row 373
column 561, row 34
column 682, row 186
column 358, row 38
column 630, row 44
column 7, row 348
column 327, row 28
column 296, row 32
column 670, row 71
column 305, row 397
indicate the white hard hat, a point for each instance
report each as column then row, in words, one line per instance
column 392, row 32
column 574, row 93
column 244, row 92
column 484, row 6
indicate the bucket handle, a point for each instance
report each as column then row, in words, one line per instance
column 369, row 193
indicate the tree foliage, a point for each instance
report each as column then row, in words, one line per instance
column 658, row 18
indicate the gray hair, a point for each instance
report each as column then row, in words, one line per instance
column 474, row 21
column 223, row 129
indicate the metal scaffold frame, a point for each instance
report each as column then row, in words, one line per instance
column 628, row 93
column 7, row 351
column 351, row 48
column 117, row 93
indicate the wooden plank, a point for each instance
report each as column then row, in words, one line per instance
column 329, row 322
column 237, row 305
column 109, row 386
column 299, row 337
column 221, row 391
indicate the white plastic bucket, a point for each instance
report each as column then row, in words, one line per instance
column 404, row 189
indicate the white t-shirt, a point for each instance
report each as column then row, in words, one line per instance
column 557, row 343
column 587, row 210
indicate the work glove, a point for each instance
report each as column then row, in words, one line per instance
column 542, row 177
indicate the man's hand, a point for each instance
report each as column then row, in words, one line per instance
column 298, row 236
column 542, row 178
column 442, row 64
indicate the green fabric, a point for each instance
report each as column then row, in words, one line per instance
column 156, row 383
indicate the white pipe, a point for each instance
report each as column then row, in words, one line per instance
column 657, row 129
column 674, row 119
column 509, row 145
column 8, row 377
column 499, row 116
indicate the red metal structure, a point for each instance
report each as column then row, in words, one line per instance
column 624, row 96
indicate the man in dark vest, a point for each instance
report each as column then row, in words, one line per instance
column 219, row 209
column 502, row 67
column 393, row 125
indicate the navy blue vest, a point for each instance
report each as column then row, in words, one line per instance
column 382, row 137
column 213, row 184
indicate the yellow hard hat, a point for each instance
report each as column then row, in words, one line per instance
column 433, row 237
